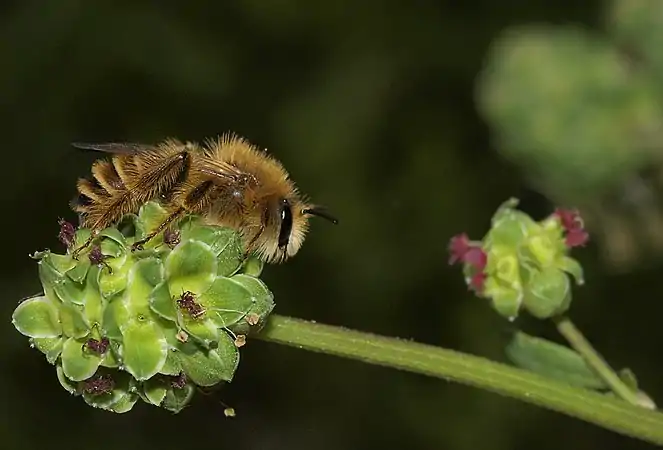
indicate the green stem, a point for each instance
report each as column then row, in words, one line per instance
column 594, row 360
column 607, row 412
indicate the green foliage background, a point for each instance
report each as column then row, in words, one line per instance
column 371, row 106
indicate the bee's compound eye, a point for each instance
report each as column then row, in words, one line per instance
column 285, row 214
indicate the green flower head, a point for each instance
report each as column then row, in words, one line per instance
column 122, row 326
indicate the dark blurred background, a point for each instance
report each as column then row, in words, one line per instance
column 372, row 107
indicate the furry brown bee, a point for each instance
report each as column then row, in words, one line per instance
column 227, row 181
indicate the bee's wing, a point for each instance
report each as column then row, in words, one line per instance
column 124, row 148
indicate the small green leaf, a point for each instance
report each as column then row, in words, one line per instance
column 172, row 365
column 162, row 302
column 262, row 301
column 572, row 267
column 111, row 357
column 66, row 383
column 544, row 250
column 505, row 300
column 111, row 249
column 226, row 301
column 61, row 263
column 143, row 277
column 51, row 347
column 552, row 360
column 93, row 303
column 202, row 329
column 548, row 293
column 145, row 349
column 114, row 235
column 115, row 315
column 191, row 266
column 125, row 404
column 68, row 291
column 81, row 236
column 111, row 283
column 155, row 391
column 151, row 215
column 37, row 317
column 253, row 266
column 79, row 272
column 73, row 321
column 77, row 364
column 510, row 226
column 49, row 277
column 208, row 368
column 177, row 399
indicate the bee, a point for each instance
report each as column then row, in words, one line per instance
column 226, row 181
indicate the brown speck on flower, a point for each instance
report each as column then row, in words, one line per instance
column 67, row 233
column 240, row 341
column 98, row 385
column 252, row 319
column 573, row 225
column 171, row 237
column 182, row 336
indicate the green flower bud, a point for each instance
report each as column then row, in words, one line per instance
column 151, row 325
column 521, row 263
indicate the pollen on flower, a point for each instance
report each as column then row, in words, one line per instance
column 67, row 233
column 576, row 235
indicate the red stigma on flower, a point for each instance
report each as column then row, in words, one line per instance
column 466, row 252
column 187, row 302
column 476, row 257
column 576, row 235
column 463, row 250
column 98, row 346
column 477, row 282
column 178, row 381
column 96, row 257
column 458, row 247
column 67, row 233
column 98, row 385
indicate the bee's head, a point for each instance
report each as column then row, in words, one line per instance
column 285, row 223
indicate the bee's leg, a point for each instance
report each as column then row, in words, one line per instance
column 138, row 245
column 75, row 254
column 249, row 247
column 194, row 201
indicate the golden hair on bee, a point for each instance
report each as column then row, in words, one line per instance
column 226, row 181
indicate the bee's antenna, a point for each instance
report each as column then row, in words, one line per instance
column 320, row 211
